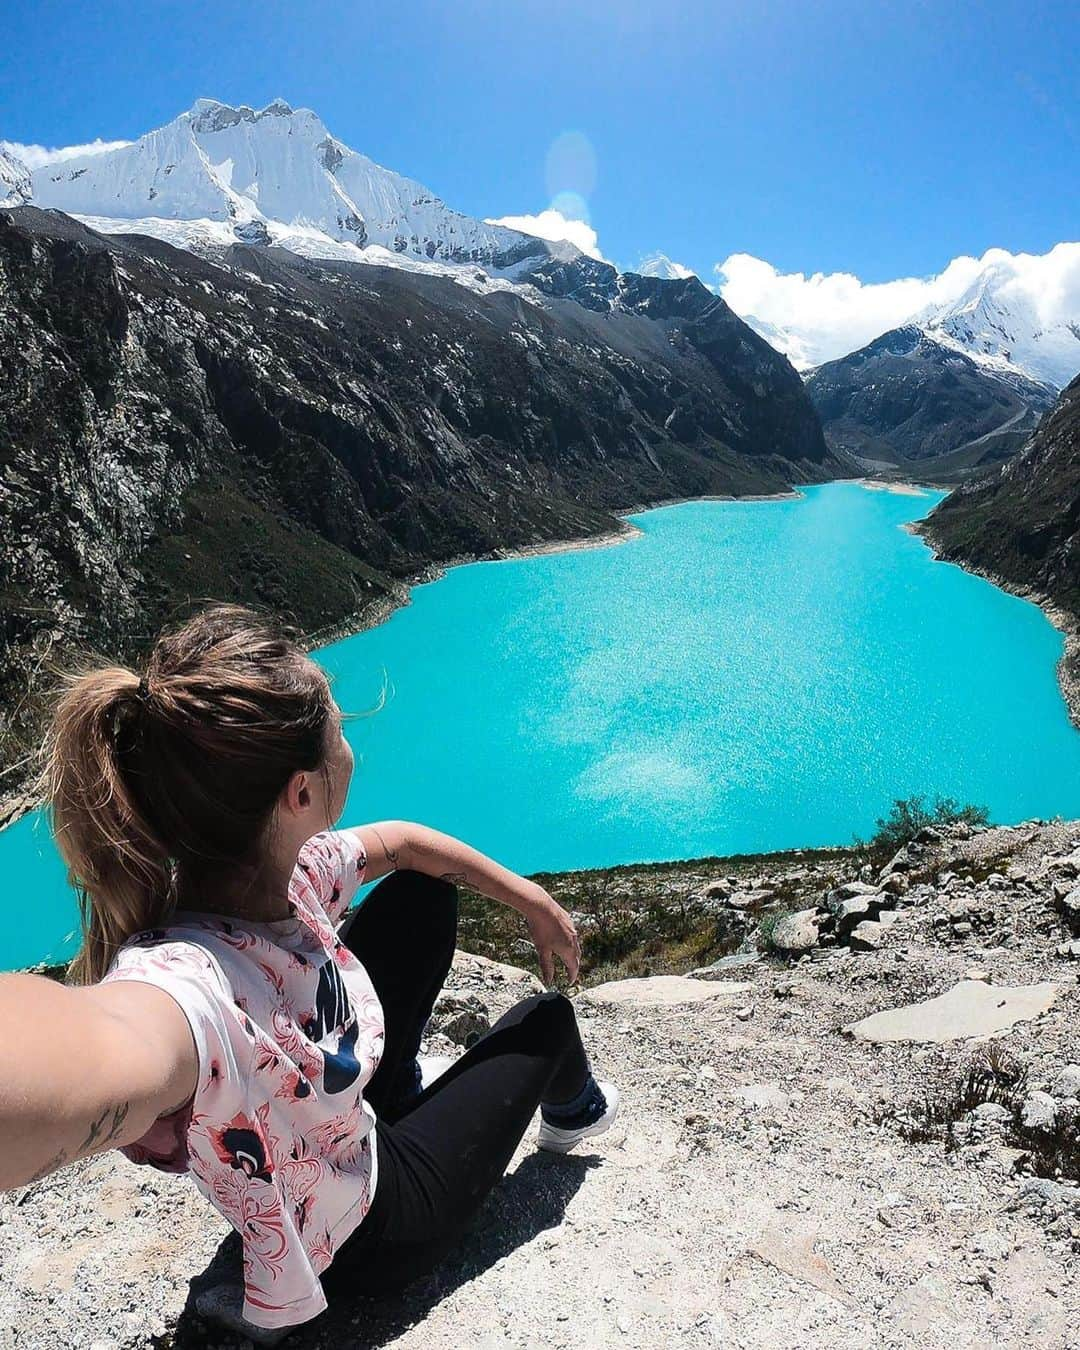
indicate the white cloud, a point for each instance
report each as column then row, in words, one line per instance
column 826, row 315
column 553, row 225
column 37, row 156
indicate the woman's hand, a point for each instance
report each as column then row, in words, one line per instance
column 553, row 933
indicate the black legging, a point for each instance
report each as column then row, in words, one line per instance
column 442, row 1152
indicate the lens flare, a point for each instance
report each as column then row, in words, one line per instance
column 570, row 205
column 571, row 165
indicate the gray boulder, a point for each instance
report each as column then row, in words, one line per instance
column 1039, row 1111
column 848, row 890
column 1069, row 904
column 797, row 932
column 867, row 936
column 850, row 912
column 719, row 969
column 1067, row 1083
column 461, row 1018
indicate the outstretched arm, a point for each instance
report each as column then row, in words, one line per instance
column 83, row 1070
column 398, row 844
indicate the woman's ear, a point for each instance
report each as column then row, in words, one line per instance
column 296, row 797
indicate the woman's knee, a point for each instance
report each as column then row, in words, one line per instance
column 414, row 904
column 551, row 1011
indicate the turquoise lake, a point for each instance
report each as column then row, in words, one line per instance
column 741, row 676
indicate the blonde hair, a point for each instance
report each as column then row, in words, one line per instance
column 166, row 782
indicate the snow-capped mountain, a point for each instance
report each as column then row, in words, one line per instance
column 997, row 324
column 798, row 350
column 660, row 265
column 218, row 173
column 1015, row 314
column 15, row 188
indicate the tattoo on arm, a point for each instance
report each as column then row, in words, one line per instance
column 101, row 1133
column 106, row 1128
column 455, row 878
column 392, row 855
column 58, row 1160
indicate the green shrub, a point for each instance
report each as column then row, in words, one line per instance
column 909, row 815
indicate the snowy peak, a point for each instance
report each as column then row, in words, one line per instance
column 271, row 173
column 661, row 266
column 998, row 324
column 15, row 186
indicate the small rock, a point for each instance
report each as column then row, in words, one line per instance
column 797, row 932
column 851, row 911
column 1067, row 1083
column 1068, row 866
column 718, row 970
column 744, row 1014
column 867, row 936
column 1039, row 1111
column 763, row 1096
column 460, row 1017
column 849, row 890
column 991, row 1113
column 1069, row 904
column 991, row 1244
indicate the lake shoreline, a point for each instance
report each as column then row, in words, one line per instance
column 1066, row 623
column 702, row 869
column 22, row 800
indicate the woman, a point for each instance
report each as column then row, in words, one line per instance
column 232, row 1026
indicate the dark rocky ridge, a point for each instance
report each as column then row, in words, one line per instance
column 907, row 403
column 1021, row 526
column 306, row 435
column 1023, row 523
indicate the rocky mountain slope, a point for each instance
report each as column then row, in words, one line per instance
column 1021, row 524
column 15, row 184
column 819, row 1149
column 307, row 433
column 908, row 403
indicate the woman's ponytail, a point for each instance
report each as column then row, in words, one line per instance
column 163, row 788
column 118, row 866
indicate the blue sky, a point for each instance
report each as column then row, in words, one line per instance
column 881, row 138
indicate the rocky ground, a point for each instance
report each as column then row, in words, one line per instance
column 780, row 1175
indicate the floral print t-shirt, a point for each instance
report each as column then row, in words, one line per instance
column 288, row 1030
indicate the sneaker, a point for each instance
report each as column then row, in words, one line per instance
column 561, row 1139
column 223, row 1304
column 432, row 1067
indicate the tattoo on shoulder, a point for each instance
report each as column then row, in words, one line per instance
column 392, row 855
